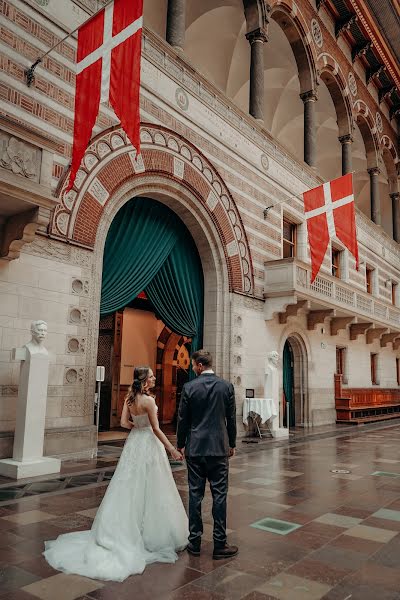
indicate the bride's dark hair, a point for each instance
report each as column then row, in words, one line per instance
column 140, row 376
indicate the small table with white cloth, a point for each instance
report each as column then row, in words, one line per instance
column 259, row 407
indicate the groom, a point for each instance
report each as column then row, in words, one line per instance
column 207, row 435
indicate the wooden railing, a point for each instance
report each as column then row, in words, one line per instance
column 361, row 405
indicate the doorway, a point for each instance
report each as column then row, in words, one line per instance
column 151, row 306
column 295, row 386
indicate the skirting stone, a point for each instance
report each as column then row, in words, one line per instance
column 67, row 443
column 29, row 468
column 323, row 416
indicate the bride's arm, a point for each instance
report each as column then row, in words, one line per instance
column 153, row 418
column 125, row 422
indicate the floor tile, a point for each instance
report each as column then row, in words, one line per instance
column 291, row 587
column 62, row 587
column 264, row 492
column 338, row 520
column 371, row 533
column 229, row 582
column 90, row 512
column 385, row 474
column 236, row 491
column 261, row 481
column 13, row 577
column 385, row 513
column 30, row 516
column 275, row 525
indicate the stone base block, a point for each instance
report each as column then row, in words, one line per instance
column 323, row 416
column 280, row 433
column 29, row 468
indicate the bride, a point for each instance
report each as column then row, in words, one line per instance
column 141, row 519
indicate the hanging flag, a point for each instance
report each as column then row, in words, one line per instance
column 329, row 211
column 108, row 68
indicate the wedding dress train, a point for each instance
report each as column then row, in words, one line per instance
column 141, row 519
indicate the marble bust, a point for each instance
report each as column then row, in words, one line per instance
column 271, row 381
column 39, row 333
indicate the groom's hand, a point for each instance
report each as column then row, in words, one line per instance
column 232, row 452
column 182, row 451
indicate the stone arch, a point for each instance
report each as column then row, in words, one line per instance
column 391, row 160
column 332, row 75
column 366, row 124
column 110, row 163
column 292, row 22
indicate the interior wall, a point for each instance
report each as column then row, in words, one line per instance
column 139, row 341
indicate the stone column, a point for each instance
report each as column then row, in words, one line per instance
column 395, row 196
column 176, row 24
column 256, row 101
column 310, row 127
column 375, row 200
column 347, row 163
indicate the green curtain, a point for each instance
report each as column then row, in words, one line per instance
column 149, row 248
column 288, row 381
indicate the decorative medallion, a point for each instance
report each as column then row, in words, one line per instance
column 352, row 83
column 264, row 162
column 378, row 121
column 317, row 33
column 182, row 99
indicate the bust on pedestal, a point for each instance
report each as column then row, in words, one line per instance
column 28, row 459
column 271, row 390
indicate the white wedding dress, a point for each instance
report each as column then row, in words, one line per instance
column 141, row 519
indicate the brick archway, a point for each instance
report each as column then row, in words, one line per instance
column 110, row 163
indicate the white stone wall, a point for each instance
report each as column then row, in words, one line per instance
column 49, row 281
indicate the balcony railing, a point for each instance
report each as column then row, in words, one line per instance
column 289, row 279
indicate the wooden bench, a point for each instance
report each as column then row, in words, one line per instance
column 364, row 405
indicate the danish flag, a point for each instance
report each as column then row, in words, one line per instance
column 108, row 69
column 329, row 211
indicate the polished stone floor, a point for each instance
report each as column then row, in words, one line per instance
column 318, row 517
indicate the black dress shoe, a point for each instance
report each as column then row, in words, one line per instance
column 193, row 550
column 225, row 552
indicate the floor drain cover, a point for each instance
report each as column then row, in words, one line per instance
column 341, row 471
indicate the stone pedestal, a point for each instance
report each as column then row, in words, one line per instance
column 28, row 459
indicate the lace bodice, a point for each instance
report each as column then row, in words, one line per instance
column 141, row 421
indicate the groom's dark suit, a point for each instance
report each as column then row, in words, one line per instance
column 207, row 429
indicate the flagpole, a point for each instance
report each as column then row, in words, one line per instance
column 30, row 72
column 299, row 196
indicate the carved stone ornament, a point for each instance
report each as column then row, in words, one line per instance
column 378, row 121
column 317, row 33
column 352, row 83
column 19, row 157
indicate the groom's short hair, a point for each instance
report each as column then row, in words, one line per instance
column 203, row 357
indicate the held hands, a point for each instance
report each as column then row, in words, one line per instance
column 176, row 454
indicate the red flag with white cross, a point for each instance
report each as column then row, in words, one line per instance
column 330, row 213
column 108, row 69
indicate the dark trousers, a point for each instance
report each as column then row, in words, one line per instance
column 215, row 469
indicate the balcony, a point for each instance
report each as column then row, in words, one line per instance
column 26, row 200
column 288, row 291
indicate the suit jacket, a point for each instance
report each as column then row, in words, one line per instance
column 207, row 417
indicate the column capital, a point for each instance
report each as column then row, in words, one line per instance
column 310, row 96
column 346, row 139
column 374, row 171
column 258, row 35
column 394, row 195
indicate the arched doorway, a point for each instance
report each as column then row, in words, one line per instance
column 295, row 382
column 152, row 282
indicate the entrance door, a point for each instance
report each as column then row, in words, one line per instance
column 288, row 384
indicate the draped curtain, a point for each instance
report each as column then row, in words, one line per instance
column 148, row 248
